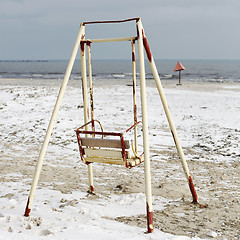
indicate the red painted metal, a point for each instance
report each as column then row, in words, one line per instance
column 134, row 125
column 149, row 220
column 179, row 67
column 112, row 21
column 91, row 189
column 104, row 133
column 194, row 194
column 133, row 53
column 81, row 150
column 87, row 42
column 82, row 45
column 133, row 56
column 147, row 48
column 27, row 210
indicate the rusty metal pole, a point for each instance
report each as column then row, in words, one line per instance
column 134, row 95
column 147, row 168
column 52, row 122
column 169, row 118
column 86, row 106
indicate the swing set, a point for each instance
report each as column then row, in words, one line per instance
column 99, row 146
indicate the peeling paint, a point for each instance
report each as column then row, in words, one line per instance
column 27, row 210
column 194, row 194
column 91, row 189
column 147, row 48
column 149, row 220
column 82, row 46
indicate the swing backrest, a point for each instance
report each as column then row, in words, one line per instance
column 104, row 143
column 103, row 150
column 106, row 147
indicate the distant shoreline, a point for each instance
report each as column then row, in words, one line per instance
column 24, row 60
column 105, row 83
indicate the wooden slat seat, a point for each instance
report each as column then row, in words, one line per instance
column 114, row 150
column 106, row 147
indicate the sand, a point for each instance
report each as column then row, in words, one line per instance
column 207, row 118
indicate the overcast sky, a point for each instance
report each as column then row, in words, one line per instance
column 176, row 29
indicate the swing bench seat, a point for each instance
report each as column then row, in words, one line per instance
column 106, row 147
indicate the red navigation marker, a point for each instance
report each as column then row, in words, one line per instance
column 179, row 67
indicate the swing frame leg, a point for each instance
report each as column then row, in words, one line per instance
column 147, row 167
column 52, row 122
column 90, row 177
column 169, row 118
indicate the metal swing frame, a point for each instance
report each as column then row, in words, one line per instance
column 142, row 44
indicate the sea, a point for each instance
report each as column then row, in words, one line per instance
column 196, row 70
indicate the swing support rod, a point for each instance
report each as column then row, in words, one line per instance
column 85, row 101
column 134, row 94
column 169, row 117
column 51, row 123
column 147, row 167
column 90, row 83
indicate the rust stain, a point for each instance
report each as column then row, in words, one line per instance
column 88, row 112
column 194, row 194
column 135, row 113
column 134, row 90
column 81, row 150
column 149, row 220
column 147, row 48
column 133, row 53
column 82, row 46
column 112, row 21
column 174, row 138
column 88, row 43
column 133, row 56
column 91, row 189
column 124, row 156
column 27, row 210
column 137, row 34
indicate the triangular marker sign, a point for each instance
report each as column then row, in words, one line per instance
column 179, row 67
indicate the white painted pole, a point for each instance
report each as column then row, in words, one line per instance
column 90, row 84
column 51, row 123
column 148, row 187
column 169, row 118
column 134, row 94
column 86, row 107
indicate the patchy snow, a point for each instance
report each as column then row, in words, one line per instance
column 206, row 122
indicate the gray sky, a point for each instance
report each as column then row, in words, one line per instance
column 176, row 29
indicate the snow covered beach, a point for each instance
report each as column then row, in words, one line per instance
column 208, row 123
